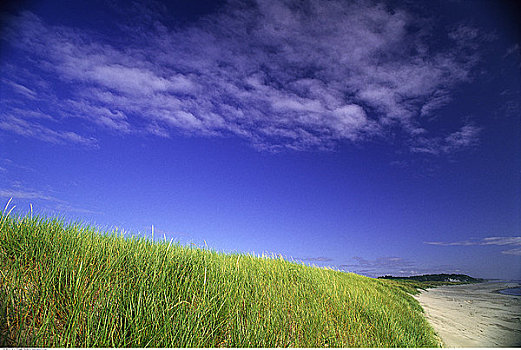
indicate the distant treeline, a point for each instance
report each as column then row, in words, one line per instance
column 438, row 278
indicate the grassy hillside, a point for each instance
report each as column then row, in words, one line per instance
column 66, row 285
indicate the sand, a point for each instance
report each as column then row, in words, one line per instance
column 474, row 315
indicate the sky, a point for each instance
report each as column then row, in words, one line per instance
column 370, row 137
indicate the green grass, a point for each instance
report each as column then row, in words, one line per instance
column 67, row 285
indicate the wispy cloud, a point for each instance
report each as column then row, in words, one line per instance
column 316, row 259
column 393, row 265
column 22, row 126
column 56, row 204
column 462, row 139
column 513, row 50
column 500, row 241
column 380, row 266
column 466, row 137
column 283, row 75
column 10, row 165
column 21, row 89
column 19, row 194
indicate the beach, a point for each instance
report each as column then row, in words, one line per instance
column 474, row 315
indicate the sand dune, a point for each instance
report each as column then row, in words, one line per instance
column 474, row 315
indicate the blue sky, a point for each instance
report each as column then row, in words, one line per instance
column 373, row 137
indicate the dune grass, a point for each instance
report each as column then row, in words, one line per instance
column 67, row 285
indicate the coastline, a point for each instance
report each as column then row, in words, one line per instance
column 474, row 315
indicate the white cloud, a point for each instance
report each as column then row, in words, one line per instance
column 56, row 204
column 513, row 251
column 19, row 194
column 436, row 102
column 19, row 88
column 462, row 139
column 467, row 136
column 32, row 129
column 112, row 118
column 27, row 128
column 500, row 241
column 282, row 74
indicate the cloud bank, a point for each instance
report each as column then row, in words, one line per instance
column 395, row 266
column 514, row 241
column 280, row 74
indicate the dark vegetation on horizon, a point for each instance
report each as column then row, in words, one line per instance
column 431, row 281
column 443, row 277
column 67, row 285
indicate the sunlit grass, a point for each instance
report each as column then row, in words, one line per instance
column 66, row 285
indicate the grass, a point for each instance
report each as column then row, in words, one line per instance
column 67, row 285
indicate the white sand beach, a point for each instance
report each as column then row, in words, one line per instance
column 474, row 315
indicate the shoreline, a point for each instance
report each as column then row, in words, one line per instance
column 502, row 291
column 474, row 315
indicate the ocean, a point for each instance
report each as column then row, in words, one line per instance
column 511, row 291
